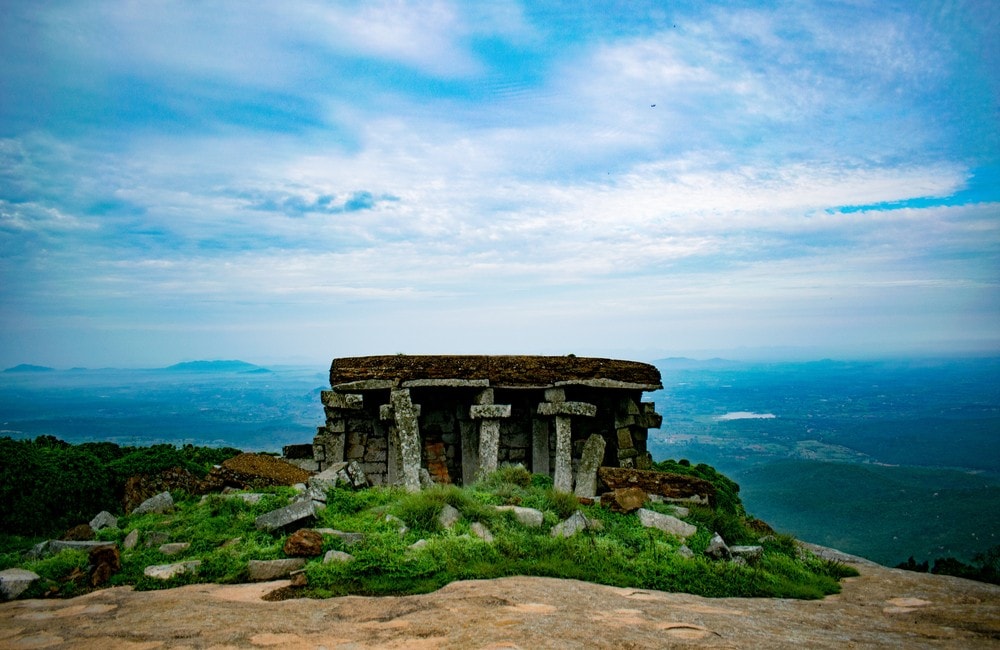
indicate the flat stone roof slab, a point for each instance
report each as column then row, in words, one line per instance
column 361, row 373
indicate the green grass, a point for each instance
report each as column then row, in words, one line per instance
column 619, row 552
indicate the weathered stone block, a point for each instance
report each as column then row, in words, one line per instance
column 489, row 411
column 174, row 548
column 336, row 400
column 526, row 516
column 677, row 486
column 14, row 582
column 292, row 513
column 104, row 519
column 666, row 523
column 567, row 408
column 263, row 570
column 168, row 571
column 158, row 504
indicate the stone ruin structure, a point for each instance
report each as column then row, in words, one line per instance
column 408, row 418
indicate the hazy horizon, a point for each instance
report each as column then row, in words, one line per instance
column 310, row 180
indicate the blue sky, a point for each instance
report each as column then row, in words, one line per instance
column 298, row 181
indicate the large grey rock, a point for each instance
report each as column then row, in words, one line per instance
column 14, row 582
column 131, row 540
column 481, row 531
column 158, row 504
column 751, row 554
column 717, row 549
column 590, row 461
column 526, row 516
column 104, row 519
column 576, row 522
column 337, row 556
column 174, row 548
column 167, row 571
column 53, row 546
column 449, row 516
column 666, row 523
column 290, row 514
column 261, row 570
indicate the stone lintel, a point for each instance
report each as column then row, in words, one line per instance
column 365, row 384
column 446, row 383
column 567, row 408
column 489, row 411
column 608, row 383
column 333, row 399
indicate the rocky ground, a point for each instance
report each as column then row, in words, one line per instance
column 881, row 608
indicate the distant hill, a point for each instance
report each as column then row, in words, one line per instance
column 27, row 367
column 217, row 366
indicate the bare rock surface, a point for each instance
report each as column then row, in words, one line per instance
column 881, row 608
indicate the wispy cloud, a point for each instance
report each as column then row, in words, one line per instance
column 440, row 173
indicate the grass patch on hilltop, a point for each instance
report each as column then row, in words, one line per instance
column 615, row 550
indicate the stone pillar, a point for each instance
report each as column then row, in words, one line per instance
column 540, row 447
column 586, row 475
column 404, row 413
column 489, row 416
column 563, row 412
column 470, row 450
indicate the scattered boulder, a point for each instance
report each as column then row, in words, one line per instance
column 449, row 516
column 104, row 561
column 750, row 554
column 576, row 522
column 717, row 549
column 174, row 548
column 684, row 551
column 304, row 543
column 14, row 582
column 290, row 514
column 671, row 486
column 54, row 546
column 481, row 531
column 666, row 523
column 624, row 500
column 590, row 460
column 80, row 533
column 131, row 540
column 417, row 545
column 262, row 570
column 158, row 504
column 340, row 556
column 526, row 516
column 168, row 571
column 104, row 519
column 257, row 470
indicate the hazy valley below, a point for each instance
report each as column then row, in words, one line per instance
column 881, row 459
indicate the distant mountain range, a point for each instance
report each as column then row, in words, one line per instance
column 223, row 366
column 27, row 367
column 217, row 366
